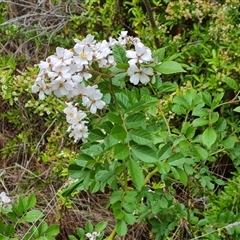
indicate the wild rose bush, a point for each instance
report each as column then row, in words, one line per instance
column 136, row 143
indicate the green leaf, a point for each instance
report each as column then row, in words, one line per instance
column 142, row 105
column 96, row 135
column 31, row 216
column 183, row 177
column 209, row 137
column 200, row 112
column 159, row 53
column 207, row 98
column 231, row 83
column 118, row 79
column 123, row 100
column 136, row 174
column 178, row 109
column 100, row 226
column 116, row 196
column 52, row 230
column 135, row 120
column 201, row 152
column 70, row 189
column 129, row 218
column 81, row 233
column 230, row 142
column 199, row 122
column 163, row 202
column 31, row 201
column 119, row 54
column 168, row 87
column 110, row 141
column 121, row 228
column 114, row 118
column 119, row 133
column 221, row 124
column 89, row 227
column 140, row 136
column 181, row 100
column 237, row 109
column 169, row 67
column 144, row 153
column 179, row 162
column 82, row 159
column 164, row 152
column 120, row 151
column 214, row 117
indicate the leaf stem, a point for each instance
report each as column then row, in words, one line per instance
column 147, row 178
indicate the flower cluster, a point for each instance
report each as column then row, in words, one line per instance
column 69, row 74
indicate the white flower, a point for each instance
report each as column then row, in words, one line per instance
column 92, row 99
column 73, row 115
column 61, row 87
column 41, row 88
column 140, row 74
column 92, row 236
column 140, row 55
column 84, row 54
column 78, row 131
column 4, row 200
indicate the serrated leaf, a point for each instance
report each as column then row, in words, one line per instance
column 52, row 230
column 201, row 152
column 214, row 117
column 119, row 54
column 135, row 120
column 178, row 109
column 119, row 133
column 140, row 136
column 116, row 196
column 221, row 124
column 136, row 174
column 129, row 218
column 207, row 98
column 209, row 137
column 230, row 142
column 169, row 67
column 31, row 216
column 89, row 227
column 199, row 122
column 159, row 53
column 100, row 226
column 231, row 83
column 144, row 153
column 120, row 151
column 123, row 100
column 121, row 228
column 183, row 177
column 31, row 201
column 96, row 135
column 118, row 79
column 114, row 118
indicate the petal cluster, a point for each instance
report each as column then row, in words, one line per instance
column 68, row 73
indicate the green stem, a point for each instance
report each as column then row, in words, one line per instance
column 147, row 178
column 112, row 235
